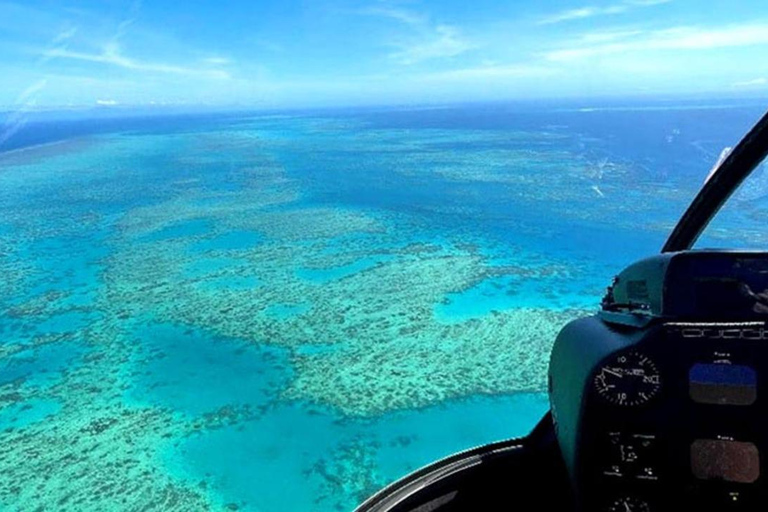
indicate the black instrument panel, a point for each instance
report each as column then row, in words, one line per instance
column 674, row 422
column 717, row 286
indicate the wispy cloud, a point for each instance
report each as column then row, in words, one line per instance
column 592, row 11
column 420, row 38
column 110, row 52
column 492, row 71
column 677, row 38
column 756, row 82
column 217, row 61
column 64, row 35
column 646, row 3
column 582, row 12
column 402, row 15
column 443, row 41
column 606, row 36
column 60, row 41
column 112, row 55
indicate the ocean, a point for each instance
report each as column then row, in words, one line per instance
column 286, row 311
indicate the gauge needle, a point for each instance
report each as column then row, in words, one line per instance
column 626, row 506
column 612, row 372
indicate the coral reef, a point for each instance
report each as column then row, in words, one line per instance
column 508, row 352
column 350, row 472
column 135, row 324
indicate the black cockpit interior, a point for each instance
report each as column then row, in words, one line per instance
column 659, row 402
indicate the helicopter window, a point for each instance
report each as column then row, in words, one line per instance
column 741, row 222
column 280, row 254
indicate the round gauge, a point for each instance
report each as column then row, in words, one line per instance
column 629, row 504
column 629, row 379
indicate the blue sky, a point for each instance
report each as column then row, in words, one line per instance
column 347, row 52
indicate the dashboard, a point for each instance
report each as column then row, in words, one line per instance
column 675, row 421
column 656, row 411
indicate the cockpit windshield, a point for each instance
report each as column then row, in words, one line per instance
column 275, row 256
column 739, row 224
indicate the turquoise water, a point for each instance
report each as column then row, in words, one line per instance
column 189, row 228
column 196, row 374
column 232, row 240
column 350, row 459
column 22, row 414
column 39, row 367
column 246, row 312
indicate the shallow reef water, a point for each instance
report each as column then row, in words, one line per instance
column 281, row 313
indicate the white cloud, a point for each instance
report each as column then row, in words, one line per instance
column 592, row 11
column 608, row 36
column 442, row 42
column 59, row 41
column 111, row 52
column 402, row 15
column 757, row 82
column 581, row 13
column 217, row 61
column 678, row 38
column 492, row 71
column 106, row 103
column 112, row 55
column 64, row 35
column 421, row 38
column 647, row 3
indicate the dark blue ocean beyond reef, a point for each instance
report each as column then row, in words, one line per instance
column 288, row 311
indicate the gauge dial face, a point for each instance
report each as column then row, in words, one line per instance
column 629, row 504
column 629, row 379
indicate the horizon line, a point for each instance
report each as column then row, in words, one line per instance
column 244, row 106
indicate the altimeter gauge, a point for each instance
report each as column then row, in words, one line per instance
column 628, row 379
column 629, row 504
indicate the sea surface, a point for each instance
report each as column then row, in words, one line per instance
column 287, row 311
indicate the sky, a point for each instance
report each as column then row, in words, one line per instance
column 285, row 53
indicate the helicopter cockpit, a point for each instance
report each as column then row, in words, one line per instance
column 657, row 402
